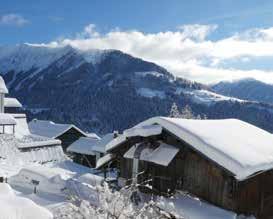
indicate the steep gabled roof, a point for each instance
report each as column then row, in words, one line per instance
column 51, row 129
column 237, row 146
column 3, row 88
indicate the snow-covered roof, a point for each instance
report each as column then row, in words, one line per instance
column 84, row 145
column 92, row 135
column 35, row 141
column 144, row 131
column 11, row 102
column 3, row 88
column 224, row 141
column 50, row 129
column 7, row 119
column 88, row 146
column 161, row 155
column 104, row 160
column 100, row 146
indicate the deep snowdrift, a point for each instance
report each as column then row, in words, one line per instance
column 14, row 207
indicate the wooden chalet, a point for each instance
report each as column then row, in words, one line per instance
column 67, row 133
column 228, row 163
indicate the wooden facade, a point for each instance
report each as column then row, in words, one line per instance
column 68, row 137
column 86, row 160
column 197, row 174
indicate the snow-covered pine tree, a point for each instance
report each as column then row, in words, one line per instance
column 174, row 112
column 187, row 113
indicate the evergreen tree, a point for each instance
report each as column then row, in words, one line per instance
column 187, row 113
column 174, row 112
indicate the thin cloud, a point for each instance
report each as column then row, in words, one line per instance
column 13, row 20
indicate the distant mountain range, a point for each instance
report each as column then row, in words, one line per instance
column 106, row 90
column 248, row 89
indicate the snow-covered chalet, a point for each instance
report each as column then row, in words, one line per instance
column 66, row 133
column 228, row 163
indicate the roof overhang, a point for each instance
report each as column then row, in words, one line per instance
column 103, row 161
column 12, row 102
column 161, row 155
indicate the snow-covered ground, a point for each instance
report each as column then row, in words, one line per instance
column 205, row 96
column 193, row 208
column 15, row 207
column 61, row 182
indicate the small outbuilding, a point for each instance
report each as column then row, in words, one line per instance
column 88, row 151
column 67, row 133
column 228, row 163
column 84, row 151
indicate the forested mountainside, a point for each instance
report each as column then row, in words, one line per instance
column 106, row 90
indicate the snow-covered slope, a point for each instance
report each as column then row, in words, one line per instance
column 206, row 97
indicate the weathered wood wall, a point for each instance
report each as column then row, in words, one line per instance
column 85, row 160
column 255, row 195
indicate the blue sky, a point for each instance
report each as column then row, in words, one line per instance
column 204, row 40
column 48, row 20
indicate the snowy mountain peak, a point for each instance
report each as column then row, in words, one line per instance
column 25, row 57
column 93, row 56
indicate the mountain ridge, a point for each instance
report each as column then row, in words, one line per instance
column 111, row 91
column 248, row 89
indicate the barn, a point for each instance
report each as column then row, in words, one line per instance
column 88, row 150
column 228, row 163
column 67, row 133
column 84, row 151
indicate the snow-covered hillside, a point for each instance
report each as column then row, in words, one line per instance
column 104, row 83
